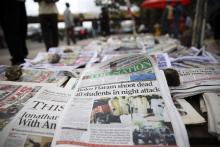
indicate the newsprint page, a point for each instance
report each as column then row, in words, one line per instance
column 13, row 97
column 35, row 123
column 121, row 102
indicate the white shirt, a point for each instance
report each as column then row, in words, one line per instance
column 47, row 8
column 68, row 18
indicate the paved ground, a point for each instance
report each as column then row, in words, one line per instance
column 33, row 48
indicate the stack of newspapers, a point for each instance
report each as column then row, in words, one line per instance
column 195, row 81
column 111, row 92
column 68, row 58
column 120, row 102
column 188, row 114
column 212, row 107
column 183, row 57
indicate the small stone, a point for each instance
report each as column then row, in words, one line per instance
column 13, row 73
column 172, row 77
column 53, row 58
column 68, row 50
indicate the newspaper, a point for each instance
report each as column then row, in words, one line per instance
column 182, row 51
column 56, row 77
column 124, row 45
column 191, row 64
column 121, row 102
column 65, row 49
column 209, row 58
column 202, row 105
column 164, row 45
column 2, row 72
column 13, row 97
column 109, row 57
column 74, row 59
column 196, row 81
column 146, row 41
column 162, row 60
column 212, row 103
column 191, row 58
column 37, row 121
column 188, row 113
column 71, row 84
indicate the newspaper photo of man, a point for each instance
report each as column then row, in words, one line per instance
column 153, row 133
column 124, row 109
column 101, row 113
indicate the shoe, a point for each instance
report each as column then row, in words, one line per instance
column 13, row 62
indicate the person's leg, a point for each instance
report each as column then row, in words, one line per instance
column 10, row 21
column 72, row 35
column 165, row 27
column 175, row 30
column 54, row 30
column 45, row 27
column 170, row 28
column 216, row 28
column 67, row 36
column 23, row 25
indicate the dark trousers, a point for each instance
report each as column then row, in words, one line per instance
column 49, row 29
column 13, row 20
column 70, row 35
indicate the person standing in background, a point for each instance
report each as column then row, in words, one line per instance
column 179, row 20
column 69, row 24
column 95, row 28
column 104, row 22
column 215, row 23
column 48, row 15
column 167, row 19
column 186, row 37
column 13, row 20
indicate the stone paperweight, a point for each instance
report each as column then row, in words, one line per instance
column 53, row 58
column 13, row 73
column 172, row 77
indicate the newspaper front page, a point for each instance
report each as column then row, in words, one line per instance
column 36, row 122
column 121, row 102
column 13, row 97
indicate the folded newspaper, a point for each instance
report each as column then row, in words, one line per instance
column 212, row 103
column 121, row 102
column 188, row 113
column 192, row 58
column 162, row 44
column 53, row 76
column 13, row 97
column 196, row 81
column 74, row 59
column 34, row 125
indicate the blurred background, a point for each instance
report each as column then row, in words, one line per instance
column 144, row 16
